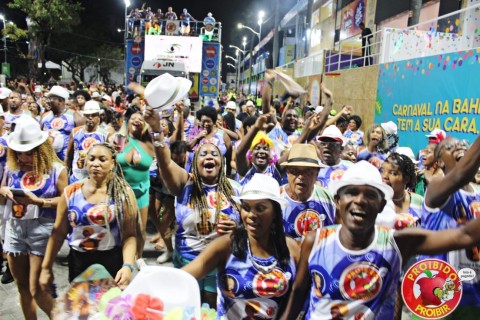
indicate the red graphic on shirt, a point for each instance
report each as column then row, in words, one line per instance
column 307, row 220
column 361, row 281
column 31, row 182
column 212, row 200
column 96, row 214
column 57, row 123
column 88, row 142
column 336, row 175
column 272, row 284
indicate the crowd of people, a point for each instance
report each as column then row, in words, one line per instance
column 266, row 206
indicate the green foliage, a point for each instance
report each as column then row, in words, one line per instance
column 14, row 33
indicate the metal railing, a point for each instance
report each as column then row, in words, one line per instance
column 452, row 32
column 140, row 27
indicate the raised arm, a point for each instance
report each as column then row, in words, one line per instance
column 440, row 189
column 267, row 94
column 174, row 176
column 412, row 241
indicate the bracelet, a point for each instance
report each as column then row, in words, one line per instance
column 129, row 266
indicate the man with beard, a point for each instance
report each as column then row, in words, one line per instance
column 81, row 139
column 14, row 110
column 330, row 145
column 59, row 122
column 285, row 133
column 4, row 95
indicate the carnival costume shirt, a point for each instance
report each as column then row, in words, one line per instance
column 246, row 293
column 82, row 142
column 375, row 158
column 270, row 171
column 329, row 173
column 3, row 156
column 9, row 119
column 193, row 236
column 59, row 129
column 461, row 207
column 88, row 231
column 281, row 139
column 315, row 213
column 351, row 284
column 354, row 137
column 410, row 219
column 44, row 186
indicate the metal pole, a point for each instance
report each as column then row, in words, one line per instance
column 125, row 43
column 4, row 40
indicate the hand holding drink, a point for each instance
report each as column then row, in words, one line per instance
column 225, row 225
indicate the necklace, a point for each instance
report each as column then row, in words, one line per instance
column 259, row 267
column 401, row 198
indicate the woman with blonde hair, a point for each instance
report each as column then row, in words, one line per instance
column 99, row 214
column 33, row 181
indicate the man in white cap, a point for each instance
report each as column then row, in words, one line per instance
column 58, row 122
column 15, row 110
column 232, row 108
column 330, row 145
column 82, row 138
column 353, row 270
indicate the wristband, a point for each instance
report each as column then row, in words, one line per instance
column 129, row 266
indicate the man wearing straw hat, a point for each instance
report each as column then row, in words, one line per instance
column 310, row 207
column 82, row 138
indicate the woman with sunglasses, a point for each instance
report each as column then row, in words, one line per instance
column 33, row 181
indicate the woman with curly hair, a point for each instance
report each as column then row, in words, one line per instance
column 398, row 171
column 374, row 142
column 99, row 215
column 33, row 181
column 205, row 208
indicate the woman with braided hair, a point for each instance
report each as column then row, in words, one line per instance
column 96, row 234
column 205, row 207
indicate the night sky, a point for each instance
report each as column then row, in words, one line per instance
column 107, row 16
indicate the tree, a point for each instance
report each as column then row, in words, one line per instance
column 15, row 34
column 46, row 18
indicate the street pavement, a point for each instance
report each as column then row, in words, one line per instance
column 9, row 301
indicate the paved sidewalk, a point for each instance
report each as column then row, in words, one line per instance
column 9, row 303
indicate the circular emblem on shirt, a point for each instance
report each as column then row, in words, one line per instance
column 307, row 220
column 31, row 182
column 57, row 123
column 212, row 200
column 272, row 284
column 88, row 142
column 361, row 281
column 337, row 175
column 229, row 285
column 72, row 218
column 96, row 214
column 431, row 289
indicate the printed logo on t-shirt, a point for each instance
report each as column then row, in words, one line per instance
column 361, row 281
column 272, row 284
column 31, row 182
column 308, row 220
column 57, row 123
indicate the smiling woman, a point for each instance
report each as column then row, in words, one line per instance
column 205, row 207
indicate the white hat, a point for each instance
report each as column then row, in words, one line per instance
column 91, row 107
column 96, row 94
column 27, row 134
column 332, row 132
column 5, row 93
column 435, row 133
column 361, row 173
column 250, row 103
column 165, row 90
column 259, row 187
column 406, row 151
column 231, row 105
column 390, row 127
column 2, row 114
column 59, row 92
column 187, row 102
column 107, row 97
column 318, row 109
column 38, row 89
